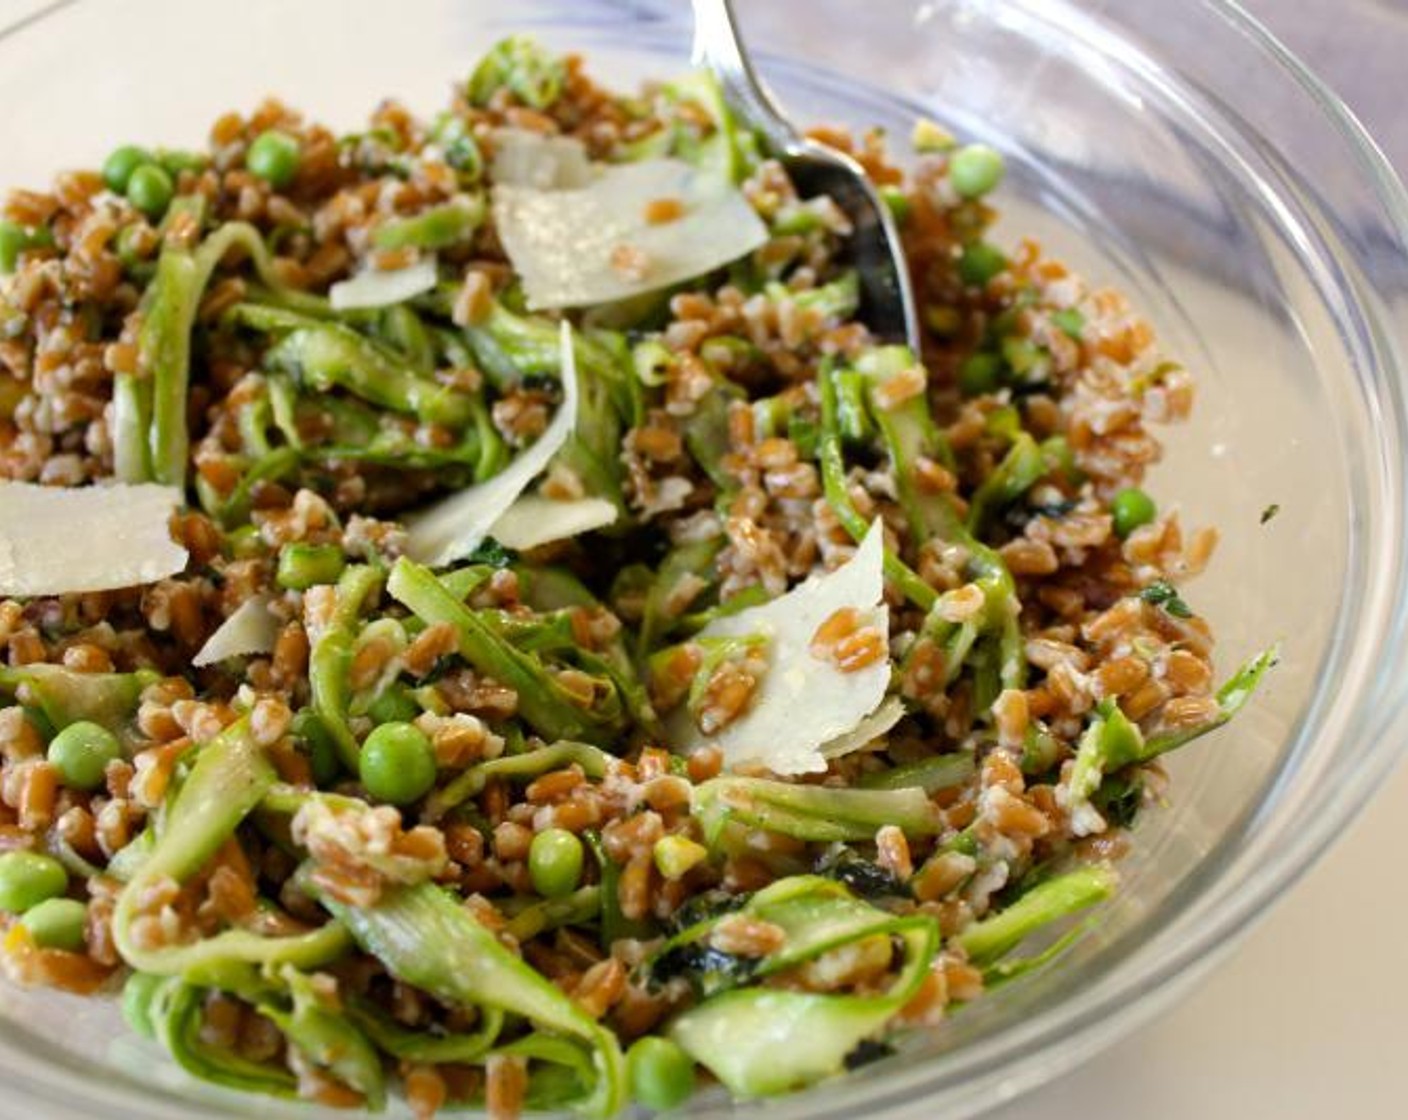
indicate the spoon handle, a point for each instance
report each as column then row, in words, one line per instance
column 718, row 47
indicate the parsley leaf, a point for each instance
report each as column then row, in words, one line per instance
column 1070, row 320
column 491, row 553
column 1161, row 593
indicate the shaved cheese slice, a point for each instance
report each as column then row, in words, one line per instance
column 546, row 163
column 598, row 243
column 803, row 701
column 455, row 526
column 253, row 628
column 534, row 520
column 376, row 288
column 889, row 713
column 57, row 540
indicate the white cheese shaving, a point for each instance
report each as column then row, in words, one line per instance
column 596, row 243
column 59, row 540
column 546, row 163
column 534, row 520
column 803, row 702
column 251, row 629
column 454, row 527
column 377, row 288
column 889, row 713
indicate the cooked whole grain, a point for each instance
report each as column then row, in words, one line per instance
column 715, row 455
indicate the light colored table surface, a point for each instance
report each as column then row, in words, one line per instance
column 1303, row 1021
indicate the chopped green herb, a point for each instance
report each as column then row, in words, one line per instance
column 1161, row 593
column 1070, row 320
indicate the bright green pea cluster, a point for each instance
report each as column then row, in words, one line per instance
column 120, row 165
column 142, row 178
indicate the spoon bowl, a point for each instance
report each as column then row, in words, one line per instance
column 816, row 169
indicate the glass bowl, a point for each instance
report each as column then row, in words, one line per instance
column 1174, row 151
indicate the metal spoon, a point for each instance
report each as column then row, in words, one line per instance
column 887, row 301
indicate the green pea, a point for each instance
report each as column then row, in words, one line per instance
column 274, row 157
column 176, row 161
column 27, row 879
column 137, row 996
column 150, row 190
column 897, row 202
column 660, row 1072
column 397, row 763
column 81, row 753
column 555, row 862
column 57, row 923
column 318, row 744
column 1132, row 508
column 302, row 566
column 975, row 170
column 979, row 374
column 979, row 263
column 119, row 166
column 13, row 241
column 394, row 705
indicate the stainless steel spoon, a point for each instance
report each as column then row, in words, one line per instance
column 887, row 300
